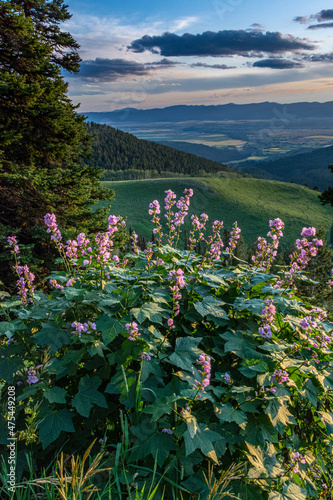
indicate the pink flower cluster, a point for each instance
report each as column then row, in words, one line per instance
column 205, row 362
column 183, row 204
column 305, row 250
column 269, row 311
column 32, row 379
column 267, row 252
column 12, row 242
column 177, row 282
column 149, row 253
column 263, row 390
column 52, row 227
column 145, row 355
column 24, row 284
column 132, row 329
column 167, row 431
column 280, row 376
column 155, row 210
column 198, row 225
column 234, row 237
column 297, row 457
column 55, row 284
column 78, row 248
column 83, row 327
column 134, row 241
column 265, row 331
column 214, row 242
column 316, row 334
column 268, row 314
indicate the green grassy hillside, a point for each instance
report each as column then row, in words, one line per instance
column 252, row 202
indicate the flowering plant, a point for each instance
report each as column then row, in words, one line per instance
column 194, row 361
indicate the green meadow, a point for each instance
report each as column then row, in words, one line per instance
column 252, row 202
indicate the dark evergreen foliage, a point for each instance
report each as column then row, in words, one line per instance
column 43, row 140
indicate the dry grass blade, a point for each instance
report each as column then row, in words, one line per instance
column 78, row 477
column 218, row 488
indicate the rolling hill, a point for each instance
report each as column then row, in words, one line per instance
column 310, row 167
column 252, row 202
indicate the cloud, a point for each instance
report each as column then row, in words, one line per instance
column 303, row 19
column 215, row 66
column 323, row 15
column 108, row 70
column 319, row 57
column 318, row 26
column 277, row 64
column 257, row 27
column 222, row 43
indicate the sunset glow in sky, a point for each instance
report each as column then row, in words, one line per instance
column 157, row 54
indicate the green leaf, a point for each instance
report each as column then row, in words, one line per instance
column 52, row 336
column 124, row 383
column 211, row 308
column 8, row 368
column 160, row 295
column 273, row 348
column 264, row 461
column 151, row 311
column 310, row 392
column 228, row 413
column 259, row 429
column 214, row 279
column 151, row 441
column 240, row 345
column 202, row 440
column 96, row 347
column 28, row 392
column 327, row 419
column 52, row 424
column 55, row 395
column 109, row 328
column 290, row 492
column 73, row 292
column 186, row 352
column 253, row 305
column 160, row 407
column 192, row 424
column 88, row 395
column 9, row 328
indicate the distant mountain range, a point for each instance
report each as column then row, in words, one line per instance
column 181, row 113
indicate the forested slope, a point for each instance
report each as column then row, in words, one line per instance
column 124, row 156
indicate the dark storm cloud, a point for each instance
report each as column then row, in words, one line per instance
column 215, row 66
column 323, row 15
column 277, row 64
column 222, row 43
column 108, row 70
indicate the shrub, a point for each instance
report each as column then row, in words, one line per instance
column 174, row 361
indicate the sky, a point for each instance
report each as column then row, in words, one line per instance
column 153, row 54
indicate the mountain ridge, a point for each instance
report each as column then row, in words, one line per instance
column 220, row 112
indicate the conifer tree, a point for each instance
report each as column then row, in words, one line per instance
column 44, row 144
